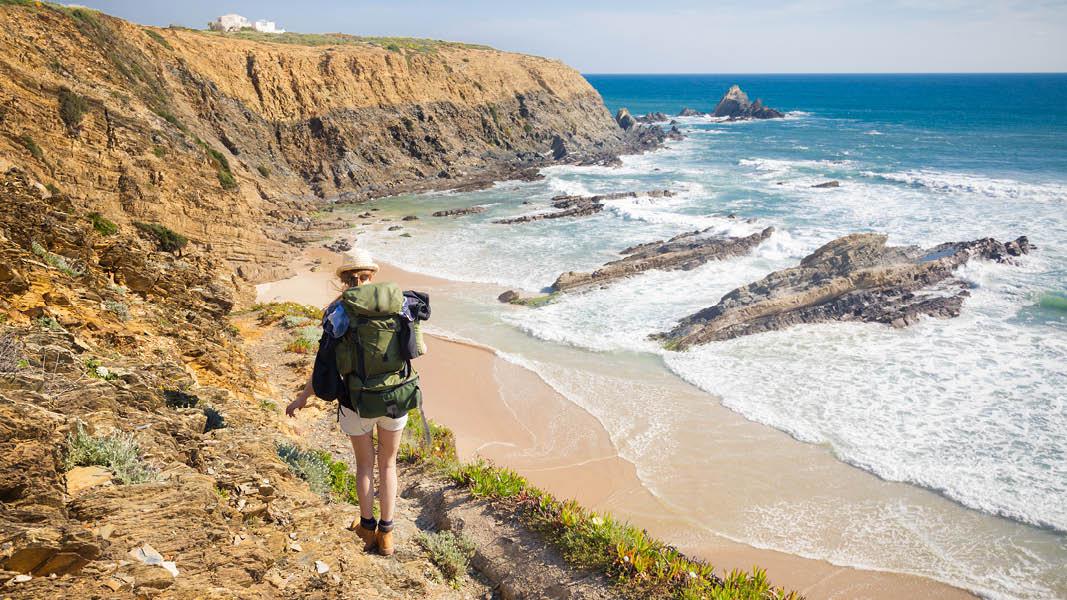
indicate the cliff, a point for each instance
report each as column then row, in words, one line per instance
column 228, row 138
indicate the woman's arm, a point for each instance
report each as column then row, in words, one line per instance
column 301, row 399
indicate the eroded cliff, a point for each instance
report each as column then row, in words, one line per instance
column 227, row 139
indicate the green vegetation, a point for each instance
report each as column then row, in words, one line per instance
column 299, row 345
column 18, row 3
column 413, row 448
column 325, row 476
column 264, row 171
column 48, row 322
column 294, row 321
column 450, row 553
column 166, row 239
column 30, row 145
column 273, row 312
column 119, row 309
column 170, row 118
column 72, row 109
column 222, row 166
column 394, row 44
column 158, row 38
column 101, row 224
column 52, row 189
column 159, row 151
column 62, row 263
column 96, row 370
column 118, row 453
column 268, row 405
column 215, row 420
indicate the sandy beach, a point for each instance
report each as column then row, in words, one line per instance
column 508, row 414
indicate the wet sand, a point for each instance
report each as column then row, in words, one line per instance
column 508, row 414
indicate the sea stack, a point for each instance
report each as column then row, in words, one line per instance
column 625, row 119
column 735, row 106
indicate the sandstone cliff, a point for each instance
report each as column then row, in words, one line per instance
column 221, row 137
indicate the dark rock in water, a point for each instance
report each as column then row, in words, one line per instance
column 689, row 112
column 339, row 245
column 455, row 212
column 625, row 119
column 736, row 106
column 675, row 134
column 828, row 184
column 410, row 218
column 580, row 206
column 396, row 228
column 508, row 296
column 654, row 117
column 853, row 278
column 682, row 252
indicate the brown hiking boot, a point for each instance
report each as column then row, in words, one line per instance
column 384, row 540
column 367, row 535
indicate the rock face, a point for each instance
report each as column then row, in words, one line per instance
column 579, row 206
column 689, row 112
column 225, row 139
column 682, row 252
column 853, row 278
column 625, row 119
column 736, row 106
column 828, row 184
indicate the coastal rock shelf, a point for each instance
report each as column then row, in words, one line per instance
column 682, row 252
column 456, row 212
column 853, row 278
column 580, row 206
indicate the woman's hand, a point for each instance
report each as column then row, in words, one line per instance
column 298, row 404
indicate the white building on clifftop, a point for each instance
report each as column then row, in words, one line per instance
column 234, row 22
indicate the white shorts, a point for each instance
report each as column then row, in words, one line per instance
column 355, row 425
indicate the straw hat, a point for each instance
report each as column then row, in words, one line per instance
column 358, row 260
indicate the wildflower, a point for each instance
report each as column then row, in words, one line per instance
column 596, row 521
column 692, row 575
column 103, row 372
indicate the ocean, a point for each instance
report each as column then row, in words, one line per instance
column 967, row 417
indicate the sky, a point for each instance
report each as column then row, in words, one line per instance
column 686, row 36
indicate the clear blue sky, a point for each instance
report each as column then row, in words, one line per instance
column 686, row 36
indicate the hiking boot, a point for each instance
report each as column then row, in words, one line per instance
column 384, row 541
column 368, row 536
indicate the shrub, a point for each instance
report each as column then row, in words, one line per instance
column 118, row 452
column 52, row 189
column 264, row 171
column 31, row 145
column 222, row 167
column 485, row 480
column 294, row 321
column 48, row 322
column 179, row 399
column 268, row 405
column 450, row 553
column 215, row 420
column 62, row 263
column 119, row 309
column 159, row 151
column 101, row 224
column 325, row 476
column 166, row 239
column 299, row 345
column 272, row 312
column 72, row 109
column 94, row 369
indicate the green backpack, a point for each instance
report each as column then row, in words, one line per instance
column 380, row 380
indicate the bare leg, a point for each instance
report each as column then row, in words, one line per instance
column 363, row 448
column 388, row 446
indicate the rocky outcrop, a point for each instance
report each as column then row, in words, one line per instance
column 654, row 117
column 457, row 212
column 735, row 106
column 579, row 206
column 853, row 278
column 682, row 252
column 828, row 184
column 227, row 140
column 689, row 112
column 625, row 119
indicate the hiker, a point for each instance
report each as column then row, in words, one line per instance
column 363, row 330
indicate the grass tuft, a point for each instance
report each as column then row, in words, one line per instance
column 72, row 109
column 102, row 224
column 31, row 146
column 119, row 309
column 264, row 171
column 272, row 312
column 450, row 553
column 118, row 453
column 62, row 263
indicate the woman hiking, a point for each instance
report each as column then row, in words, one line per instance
column 355, row 274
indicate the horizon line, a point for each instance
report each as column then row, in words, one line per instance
column 665, row 73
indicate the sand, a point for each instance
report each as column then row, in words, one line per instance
column 508, row 414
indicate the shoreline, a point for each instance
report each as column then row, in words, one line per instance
column 510, row 415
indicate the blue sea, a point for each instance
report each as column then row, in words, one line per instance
column 957, row 428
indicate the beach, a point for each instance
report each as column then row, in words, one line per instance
column 508, row 414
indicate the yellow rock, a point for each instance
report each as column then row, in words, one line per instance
column 80, row 479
